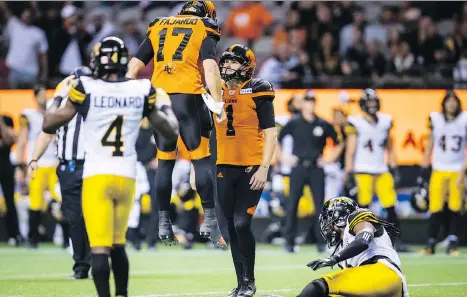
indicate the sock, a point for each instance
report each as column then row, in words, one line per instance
column 34, row 221
column 317, row 288
column 435, row 222
column 163, row 184
column 246, row 243
column 204, row 182
column 392, row 216
column 101, row 274
column 120, row 268
column 236, row 255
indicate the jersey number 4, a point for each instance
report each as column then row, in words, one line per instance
column 369, row 145
column 117, row 143
column 178, row 55
column 457, row 140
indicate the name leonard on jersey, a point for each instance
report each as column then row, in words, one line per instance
column 117, row 102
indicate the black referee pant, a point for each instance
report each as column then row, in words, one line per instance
column 71, row 184
column 7, row 181
column 305, row 173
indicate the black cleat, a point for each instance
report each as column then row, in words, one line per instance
column 452, row 248
column 166, row 233
column 234, row 292
column 79, row 275
column 429, row 248
column 248, row 289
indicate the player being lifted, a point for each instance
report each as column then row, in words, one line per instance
column 112, row 107
column 364, row 251
column 368, row 137
column 245, row 146
column 446, row 140
column 177, row 44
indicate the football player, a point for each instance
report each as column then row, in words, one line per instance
column 45, row 177
column 368, row 138
column 245, row 146
column 112, row 107
column 364, row 251
column 446, row 140
column 177, row 44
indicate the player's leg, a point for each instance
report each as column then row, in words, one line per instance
column 366, row 281
column 98, row 212
column 245, row 206
column 166, row 154
column 297, row 182
column 37, row 186
column 226, row 196
column 387, row 196
column 195, row 129
column 123, row 201
column 365, row 185
column 436, row 192
column 455, row 199
column 316, row 180
column 7, row 182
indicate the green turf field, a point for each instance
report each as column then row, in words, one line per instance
column 171, row 271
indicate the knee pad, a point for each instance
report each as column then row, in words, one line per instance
column 242, row 221
column 317, row 288
column 100, row 264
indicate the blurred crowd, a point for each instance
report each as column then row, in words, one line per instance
column 298, row 44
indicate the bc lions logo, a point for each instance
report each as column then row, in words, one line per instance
column 169, row 68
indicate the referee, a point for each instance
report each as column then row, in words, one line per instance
column 70, row 151
column 309, row 133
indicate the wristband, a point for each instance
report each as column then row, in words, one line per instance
column 33, row 160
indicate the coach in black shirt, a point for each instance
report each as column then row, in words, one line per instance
column 7, row 180
column 309, row 133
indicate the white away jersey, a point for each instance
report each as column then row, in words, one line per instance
column 33, row 119
column 449, row 139
column 112, row 114
column 371, row 143
column 380, row 246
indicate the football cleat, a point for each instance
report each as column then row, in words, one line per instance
column 209, row 229
column 452, row 248
column 430, row 248
column 166, row 233
column 248, row 289
column 234, row 292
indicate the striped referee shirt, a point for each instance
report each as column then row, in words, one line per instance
column 70, row 142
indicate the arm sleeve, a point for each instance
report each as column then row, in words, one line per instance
column 429, row 123
column 356, row 247
column 349, row 129
column 8, row 121
column 208, row 48
column 265, row 112
column 150, row 101
column 77, row 94
column 23, row 121
column 145, row 51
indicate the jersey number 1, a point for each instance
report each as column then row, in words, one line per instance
column 117, row 143
column 230, row 128
column 178, row 55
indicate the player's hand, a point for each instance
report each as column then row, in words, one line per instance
column 258, row 180
column 221, row 117
column 162, row 98
column 32, row 169
column 318, row 264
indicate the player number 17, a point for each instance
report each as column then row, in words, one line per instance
column 178, row 55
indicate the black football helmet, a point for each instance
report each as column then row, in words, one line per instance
column 367, row 96
column 109, row 56
column 242, row 55
column 81, row 71
column 334, row 216
column 199, row 8
column 419, row 198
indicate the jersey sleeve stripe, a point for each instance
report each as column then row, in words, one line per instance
column 152, row 98
column 76, row 96
column 212, row 31
column 350, row 130
column 362, row 217
column 259, row 94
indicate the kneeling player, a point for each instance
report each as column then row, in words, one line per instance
column 364, row 250
column 245, row 146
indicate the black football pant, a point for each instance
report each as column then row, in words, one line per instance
column 7, row 181
column 238, row 203
column 299, row 177
column 71, row 184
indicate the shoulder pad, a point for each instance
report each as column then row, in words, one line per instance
column 261, row 87
column 212, row 27
column 361, row 215
column 154, row 22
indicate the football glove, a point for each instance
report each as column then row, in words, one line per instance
column 318, row 264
